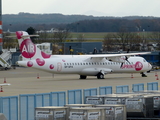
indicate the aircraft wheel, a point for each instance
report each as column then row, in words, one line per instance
column 6, row 68
column 83, row 77
column 144, row 75
column 100, row 76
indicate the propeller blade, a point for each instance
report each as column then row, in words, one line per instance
column 121, row 65
column 127, row 59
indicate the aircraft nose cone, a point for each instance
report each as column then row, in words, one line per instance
column 149, row 66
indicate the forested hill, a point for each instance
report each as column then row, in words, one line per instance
column 28, row 18
column 22, row 21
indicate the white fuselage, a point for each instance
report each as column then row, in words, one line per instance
column 85, row 65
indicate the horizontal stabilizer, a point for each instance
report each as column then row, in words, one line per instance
column 23, row 36
column 5, row 84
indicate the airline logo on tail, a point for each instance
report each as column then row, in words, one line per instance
column 28, row 49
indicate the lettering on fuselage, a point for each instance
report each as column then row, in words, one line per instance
column 68, row 66
column 137, row 66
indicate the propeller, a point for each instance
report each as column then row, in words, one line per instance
column 126, row 59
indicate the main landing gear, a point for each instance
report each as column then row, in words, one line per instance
column 143, row 74
column 100, row 75
column 83, row 77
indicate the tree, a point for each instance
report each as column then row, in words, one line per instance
column 31, row 31
column 108, row 42
column 9, row 42
column 155, row 40
column 127, row 40
column 80, row 37
column 61, row 36
column 134, row 42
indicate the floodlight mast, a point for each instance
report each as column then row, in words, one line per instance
column 1, row 36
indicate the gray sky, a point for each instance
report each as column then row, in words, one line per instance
column 84, row 7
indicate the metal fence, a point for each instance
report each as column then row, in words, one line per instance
column 138, row 87
column 22, row 107
column 122, row 89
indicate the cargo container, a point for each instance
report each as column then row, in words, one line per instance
column 96, row 100
column 51, row 113
column 139, row 106
column 114, row 112
column 116, row 99
column 156, row 103
column 106, row 99
column 87, row 114
column 78, row 105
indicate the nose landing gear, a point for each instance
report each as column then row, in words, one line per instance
column 143, row 74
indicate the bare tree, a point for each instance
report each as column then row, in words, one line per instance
column 43, row 37
column 125, row 39
column 80, row 38
column 60, row 37
column 108, row 42
column 154, row 39
column 9, row 42
column 134, row 42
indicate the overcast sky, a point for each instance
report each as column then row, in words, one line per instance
column 84, row 7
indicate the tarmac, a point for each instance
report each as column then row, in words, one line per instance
column 30, row 81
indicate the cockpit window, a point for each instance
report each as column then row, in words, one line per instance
column 144, row 60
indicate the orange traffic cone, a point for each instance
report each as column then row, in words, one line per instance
column 1, row 89
column 157, row 78
column 38, row 76
column 5, row 80
column 132, row 75
column 156, row 74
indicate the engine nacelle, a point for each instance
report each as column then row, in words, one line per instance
column 120, row 59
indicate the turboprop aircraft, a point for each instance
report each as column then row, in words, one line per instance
column 83, row 65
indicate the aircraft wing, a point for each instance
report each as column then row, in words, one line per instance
column 5, row 84
column 117, row 57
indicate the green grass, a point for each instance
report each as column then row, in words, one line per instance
column 89, row 35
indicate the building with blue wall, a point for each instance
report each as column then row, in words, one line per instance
column 82, row 47
column 153, row 58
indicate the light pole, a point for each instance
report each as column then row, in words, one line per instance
column 1, row 26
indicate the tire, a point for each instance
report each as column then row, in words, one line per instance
column 83, row 77
column 100, row 76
